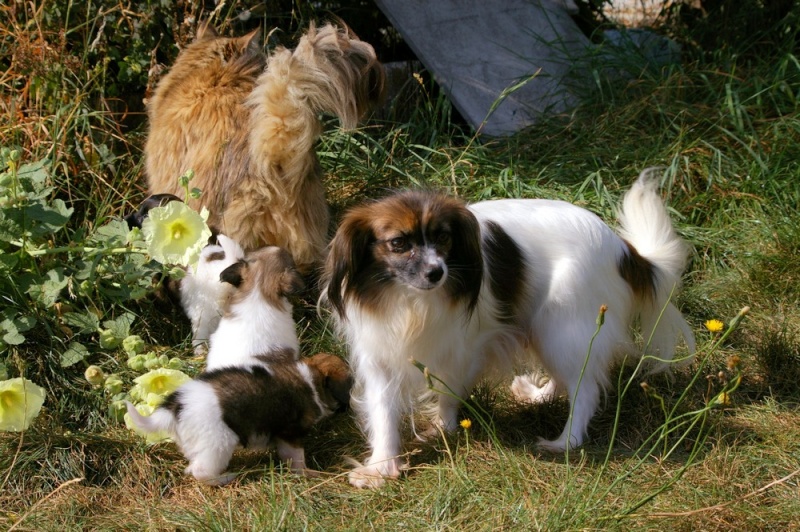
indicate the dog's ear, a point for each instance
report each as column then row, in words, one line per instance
column 250, row 43
column 340, row 389
column 291, row 282
column 206, row 30
column 336, row 377
column 465, row 260
column 233, row 273
column 347, row 257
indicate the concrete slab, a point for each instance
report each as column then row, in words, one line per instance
column 477, row 50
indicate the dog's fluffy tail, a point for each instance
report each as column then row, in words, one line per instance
column 645, row 224
column 161, row 420
column 330, row 71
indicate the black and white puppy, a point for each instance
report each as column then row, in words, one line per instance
column 472, row 290
column 255, row 389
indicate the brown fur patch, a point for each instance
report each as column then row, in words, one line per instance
column 638, row 272
column 271, row 271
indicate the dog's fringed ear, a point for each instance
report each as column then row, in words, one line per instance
column 466, row 260
column 347, row 257
column 233, row 273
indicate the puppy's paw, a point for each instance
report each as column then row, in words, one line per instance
column 375, row 475
column 210, row 478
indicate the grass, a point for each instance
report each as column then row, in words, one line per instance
column 726, row 130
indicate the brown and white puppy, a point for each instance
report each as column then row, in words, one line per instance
column 247, row 125
column 255, row 388
column 472, row 290
column 275, row 399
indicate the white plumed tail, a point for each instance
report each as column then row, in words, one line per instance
column 161, row 420
column 646, row 225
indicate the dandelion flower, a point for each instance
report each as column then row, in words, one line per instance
column 160, row 381
column 466, row 424
column 20, row 402
column 175, row 233
column 714, row 326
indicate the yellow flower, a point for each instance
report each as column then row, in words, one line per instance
column 714, row 326
column 723, row 399
column 160, row 381
column 20, row 402
column 466, row 424
column 175, row 234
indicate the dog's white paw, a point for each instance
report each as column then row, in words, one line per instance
column 211, row 478
column 558, row 445
column 525, row 390
column 374, row 476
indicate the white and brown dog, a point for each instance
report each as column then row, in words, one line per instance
column 255, row 389
column 470, row 290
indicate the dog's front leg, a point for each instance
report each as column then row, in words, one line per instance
column 379, row 408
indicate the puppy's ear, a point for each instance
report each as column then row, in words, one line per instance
column 233, row 273
column 337, row 380
column 291, row 282
column 348, row 255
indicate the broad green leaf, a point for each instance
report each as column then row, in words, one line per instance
column 48, row 292
column 121, row 326
column 86, row 322
column 74, row 354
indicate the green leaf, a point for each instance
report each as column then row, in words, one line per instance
column 44, row 219
column 13, row 338
column 120, row 327
column 112, row 234
column 86, row 322
column 25, row 323
column 74, row 354
column 48, row 292
column 8, row 261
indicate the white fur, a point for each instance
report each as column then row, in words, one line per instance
column 571, row 259
column 251, row 328
column 200, row 433
column 203, row 294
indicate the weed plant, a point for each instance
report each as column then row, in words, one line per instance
column 713, row 446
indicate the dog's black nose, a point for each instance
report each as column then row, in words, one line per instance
column 435, row 274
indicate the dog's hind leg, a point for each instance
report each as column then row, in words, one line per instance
column 583, row 404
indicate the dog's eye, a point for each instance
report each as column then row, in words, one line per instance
column 399, row 244
column 443, row 239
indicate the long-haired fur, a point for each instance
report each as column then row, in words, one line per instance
column 471, row 291
column 257, row 317
column 249, row 133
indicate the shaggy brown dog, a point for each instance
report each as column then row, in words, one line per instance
column 248, row 133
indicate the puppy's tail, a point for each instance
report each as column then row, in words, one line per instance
column 161, row 420
column 652, row 264
column 330, row 71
